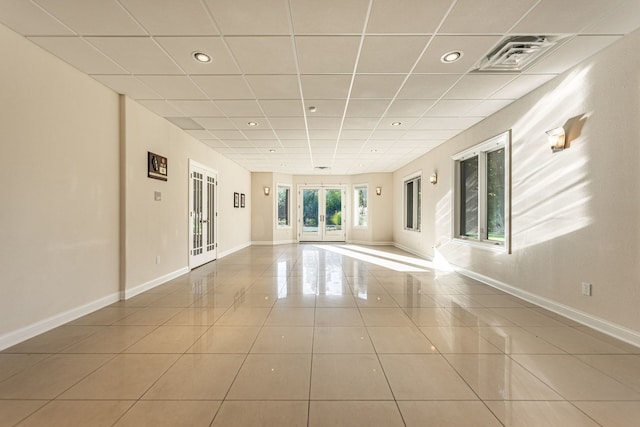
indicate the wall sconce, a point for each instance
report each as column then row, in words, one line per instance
column 557, row 139
column 433, row 178
column 378, row 191
column 267, row 190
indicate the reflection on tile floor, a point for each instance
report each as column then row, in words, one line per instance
column 321, row 335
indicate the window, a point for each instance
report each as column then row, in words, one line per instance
column 361, row 202
column 482, row 193
column 412, row 203
column 284, row 205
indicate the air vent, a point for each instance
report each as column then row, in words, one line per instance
column 517, row 53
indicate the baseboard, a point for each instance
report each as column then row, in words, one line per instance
column 412, row 251
column 368, row 243
column 609, row 328
column 12, row 338
column 272, row 242
column 130, row 293
column 233, row 250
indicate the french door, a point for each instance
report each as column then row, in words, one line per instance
column 321, row 214
column 203, row 237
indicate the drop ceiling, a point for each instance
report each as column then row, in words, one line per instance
column 371, row 68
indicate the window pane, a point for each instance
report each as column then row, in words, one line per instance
column 360, row 197
column 283, row 205
column 409, row 207
column 495, row 196
column 469, row 198
column 333, row 210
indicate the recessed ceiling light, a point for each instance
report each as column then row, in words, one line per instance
column 201, row 57
column 373, row 150
column 452, row 56
column 396, row 123
column 272, row 150
column 312, row 109
column 253, row 124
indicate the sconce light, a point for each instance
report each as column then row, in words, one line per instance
column 433, row 178
column 556, row 139
column 378, row 191
column 267, row 190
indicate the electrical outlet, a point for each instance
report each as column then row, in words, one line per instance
column 586, row 289
column 157, row 259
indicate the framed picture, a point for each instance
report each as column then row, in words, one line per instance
column 236, row 200
column 242, row 200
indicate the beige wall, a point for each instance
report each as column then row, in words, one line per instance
column 575, row 214
column 59, row 216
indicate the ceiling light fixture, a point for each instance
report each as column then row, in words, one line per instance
column 253, row 124
column 396, row 123
column 450, row 57
column 312, row 109
column 373, row 150
column 271, row 150
column 201, row 57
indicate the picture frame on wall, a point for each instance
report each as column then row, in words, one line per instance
column 242, row 200
column 236, row 200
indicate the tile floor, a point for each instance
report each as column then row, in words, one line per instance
column 321, row 335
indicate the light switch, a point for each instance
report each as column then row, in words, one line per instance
column 158, row 196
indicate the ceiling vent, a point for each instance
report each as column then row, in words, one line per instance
column 517, row 53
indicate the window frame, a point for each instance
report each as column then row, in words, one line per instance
column 495, row 143
column 277, row 207
column 356, row 206
column 417, row 206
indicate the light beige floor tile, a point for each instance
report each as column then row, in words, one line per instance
column 104, row 316
column 244, row 317
column 612, row 414
column 433, row 317
column 141, row 300
column 624, row 368
column 354, row 414
column 125, row 377
column 200, row 316
column 574, row 379
column 385, row 317
column 414, row 300
column 290, row 317
column 527, row 317
column 479, row 317
column 424, row 377
column 111, row 339
column 261, row 413
column 149, row 316
column 11, row 364
column 447, row 413
column 625, row 347
column 63, row 413
column 338, row 317
column 284, row 339
column 297, row 300
column 55, row 340
column 539, row 414
column 514, row 340
column 226, row 339
column 168, row 339
column 12, row 411
column 399, row 339
column 347, row 339
column 344, row 301
column 197, row 377
column 573, row 341
column 273, row 377
column 170, row 414
column 176, row 299
column 52, row 376
column 497, row 377
column 458, row 340
column 504, row 301
column 257, row 299
column 376, row 300
column 347, row 376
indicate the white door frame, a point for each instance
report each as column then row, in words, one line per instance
column 322, row 235
column 203, row 225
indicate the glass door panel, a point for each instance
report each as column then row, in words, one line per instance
column 333, row 204
column 310, row 214
column 321, row 213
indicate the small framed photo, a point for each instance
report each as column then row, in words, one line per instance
column 242, row 200
column 236, row 200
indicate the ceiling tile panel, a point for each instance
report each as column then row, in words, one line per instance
column 327, row 54
column 329, row 16
column 128, row 85
column 161, row 108
column 182, row 49
column 444, row 123
column 170, row 17
column 489, row 107
column 139, row 55
column 427, row 86
column 325, row 86
column 617, row 20
column 367, row 107
column 224, row 87
column 478, row 86
column 407, row 16
column 475, row 17
column 473, row 49
column 382, row 86
column 244, row 122
column 299, row 136
column 274, row 86
column 409, row 107
column 173, row 87
column 228, row 135
column 397, row 123
column 28, row 19
column 197, row 108
column 326, row 107
column 215, row 123
column 287, row 123
column 362, row 123
column 282, row 107
column 390, row 54
column 263, row 55
column 259, row 134
column 80, row 54
column 522, row 85
column 250, row 17
column 242, row 108
column 93, row 17
column 452, row 108
column 323, row 123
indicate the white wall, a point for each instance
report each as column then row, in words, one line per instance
column 59, row 180
column 575, row 214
